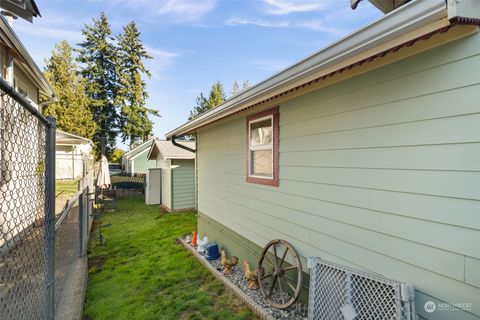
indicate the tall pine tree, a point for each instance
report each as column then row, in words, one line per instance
column 72, row 109
column 97, row 58
column 134, row 115
column 215, row 98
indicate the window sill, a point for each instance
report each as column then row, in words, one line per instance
column 267, row 182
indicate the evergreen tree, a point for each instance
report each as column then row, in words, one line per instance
column 200, row 107
column 134, row 121
column 97, row 57
column 72, row 109
column 215, row 98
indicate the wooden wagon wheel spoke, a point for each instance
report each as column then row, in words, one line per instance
column 290, row 285
column 266, row 276
column 283, row 258
column 273, row 285
column 271, row 263
column 276, row 256
column 292, row 267
column 281, row 290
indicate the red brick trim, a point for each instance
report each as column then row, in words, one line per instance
column 275, row 123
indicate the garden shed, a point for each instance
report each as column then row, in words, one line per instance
column 73, row 154
column 177, row 177
column 364, row 154
column 135, row 160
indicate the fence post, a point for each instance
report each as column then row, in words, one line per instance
column 87, row 220
column 50, row 219
column 81, row 223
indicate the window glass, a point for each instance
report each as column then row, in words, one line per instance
column 261, row 132
column 262, row 148
column 262, row 163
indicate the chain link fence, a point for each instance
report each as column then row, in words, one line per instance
column 39, row 252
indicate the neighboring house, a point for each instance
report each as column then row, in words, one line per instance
column 135, row 160
column 73, row 155
column 21, row 141
column 19, row 68
column 366, row 153
column 177, row 179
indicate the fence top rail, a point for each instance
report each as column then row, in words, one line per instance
column 6, row 87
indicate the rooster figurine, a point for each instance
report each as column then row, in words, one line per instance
column 228, row 264
column 250, row 275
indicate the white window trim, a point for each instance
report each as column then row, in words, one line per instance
column 260, row 147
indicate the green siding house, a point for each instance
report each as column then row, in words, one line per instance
column 177, row 175
column 136, row 160
column 366, row 153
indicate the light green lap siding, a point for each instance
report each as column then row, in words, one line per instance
column 183, row 173
column 141, row 164
column 380, row 172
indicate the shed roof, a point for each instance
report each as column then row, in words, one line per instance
column 139, row 149
column 399, row 28
column 169, row 151
column 65, row 138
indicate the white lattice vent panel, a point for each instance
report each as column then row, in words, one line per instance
column 338, row 292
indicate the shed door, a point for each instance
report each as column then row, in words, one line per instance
column 153, row 186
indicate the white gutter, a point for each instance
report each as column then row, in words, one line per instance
column 401, row 21
column 33, row 70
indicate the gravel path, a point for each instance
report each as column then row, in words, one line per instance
column 296, row 311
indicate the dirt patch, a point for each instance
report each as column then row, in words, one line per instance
column 95, row 264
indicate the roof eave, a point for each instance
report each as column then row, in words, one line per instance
column 34, row 70
column 180, row 158
column 409, row 17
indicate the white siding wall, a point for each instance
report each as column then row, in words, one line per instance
column 167, row 185
column 380, row 172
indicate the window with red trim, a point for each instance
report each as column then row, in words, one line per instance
column 262, row 147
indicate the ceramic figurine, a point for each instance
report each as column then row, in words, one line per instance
column 228, row 264
column 250, row 275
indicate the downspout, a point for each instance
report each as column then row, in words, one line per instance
column 176, row 144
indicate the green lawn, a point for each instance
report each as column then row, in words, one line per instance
column 142, row 273
column 66, row 187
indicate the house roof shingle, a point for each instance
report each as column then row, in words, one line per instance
column 169, row 151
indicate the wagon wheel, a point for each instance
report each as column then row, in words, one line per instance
column 280, row 273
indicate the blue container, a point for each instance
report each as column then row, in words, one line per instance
column 212, row 251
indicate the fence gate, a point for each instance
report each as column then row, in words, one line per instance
column 39, row 252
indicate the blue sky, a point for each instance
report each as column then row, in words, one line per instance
column 195, row 43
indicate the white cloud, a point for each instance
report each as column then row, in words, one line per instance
column 283, row 7
column 186, row 9
column 162, row 60
column 237, row 21
column 58, row 33
column 160, row 53
column 176, row 11
column 315, row 25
